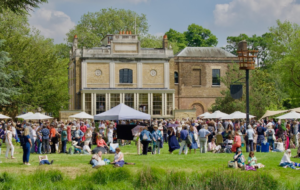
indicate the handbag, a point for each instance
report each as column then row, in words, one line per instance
column 273, row 137
column 195, row 137
column 145, row 137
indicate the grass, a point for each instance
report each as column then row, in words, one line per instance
column 164, row 171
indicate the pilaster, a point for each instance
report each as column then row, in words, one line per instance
column 83, row 102
column 166, row 75
column 111, row 74
column 139, row 75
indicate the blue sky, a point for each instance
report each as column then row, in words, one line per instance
column 223, row 17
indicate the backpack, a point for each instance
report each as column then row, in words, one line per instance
column 145, row 137
column 260, row 129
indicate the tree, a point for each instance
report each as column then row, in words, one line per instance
column 93, row 27
column 177, row 37
column 284, row 57
column 263, row 94
column 45, row 75
column 7, row 78
column 20, row 6
column 150, row 41
column 197, row 36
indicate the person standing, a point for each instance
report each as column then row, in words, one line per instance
column 156, row 139
column 53, row 138
column 250, row 135
column 26, row 147
column 269, row 133
column 69, row 132
column 145, row 138
column 83, row 128
column 110, row 132
column 88, row 137
column 183, row 136
column 165, row 131
column 261, row 134
column 8, row 142
column 173, row 143
column 32, row 134
column 203, row 134
column 45, row 139
column 64, row 139
column 193, row 135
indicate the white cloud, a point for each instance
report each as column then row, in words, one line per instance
column 245, row 12
column 51, row 23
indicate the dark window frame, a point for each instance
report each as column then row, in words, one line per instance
column 125, row 76
column 176, row 81
column 216, row 73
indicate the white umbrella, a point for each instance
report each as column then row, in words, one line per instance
column 4, row 117
column 82, row 115
column 237, row 115
column 291, row 115
column 216, row 115
column 24, row 115
column 204, row 114
column 37, row 116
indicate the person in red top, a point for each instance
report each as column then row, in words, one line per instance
column 83, row 128
column 237, row 142
column 53, row 138
column 101, row 142
column 69, row 132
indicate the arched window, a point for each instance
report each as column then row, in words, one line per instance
column 176, row 77
column 125, row 76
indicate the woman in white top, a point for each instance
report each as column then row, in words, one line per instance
column 119, row 158
column 86, row 149
column 8, row 141
column 279, row 146
column 110, row 132
column 33, row 137
column 286, row 160
column 88, row 137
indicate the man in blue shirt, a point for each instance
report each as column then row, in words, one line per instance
column 184, row 135
column 203, row 134
column 45, row 139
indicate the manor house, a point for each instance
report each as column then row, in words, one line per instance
column 151, row 80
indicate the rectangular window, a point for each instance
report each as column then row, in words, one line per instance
column 129, row 100
column 216, row 77
column 157, row 104
column 88, row 103
column 143, row 103
column 114, row 100
column 100, row 103
column 196, row 76
column 169, row 104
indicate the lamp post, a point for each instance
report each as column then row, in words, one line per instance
column 247, row 62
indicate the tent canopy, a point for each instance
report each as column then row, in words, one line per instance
column 216, row 115
column 122, row 112
column 24, row 115
column 204, row 114
column 37, row 116
column 82, row 115
column 4, row 117
column 271, row 113
column 237, row 115
column 291, row 115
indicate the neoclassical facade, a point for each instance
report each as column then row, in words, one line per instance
column 151, row 80
column 121, row 72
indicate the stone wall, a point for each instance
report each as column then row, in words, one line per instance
column 179, row 114
column 101, row 81
column 150, row 81
column 64, row 115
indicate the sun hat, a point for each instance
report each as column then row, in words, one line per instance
column 74, row 143
column 239, row 150
column 73, row 128
column 160, row 128
column 155, row 126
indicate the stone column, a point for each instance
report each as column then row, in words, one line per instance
column 83, row 74
column 166, row 104
column 106, row 101
column 150, row 100
column 94, row 104
column 137, row 101
column 83, row 101
column 173, row 108
column 134, row 101
column 163, row 110
column 166, row 75
column 111, row 75
column 139, row 75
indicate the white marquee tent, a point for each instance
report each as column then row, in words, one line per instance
column 204, row 114
column 237, row 115
column 37, row 116
column 291, row 115
column 4, row 117
column 82, row 115
column 24, row 115
column 122, row 112
column 216, row 115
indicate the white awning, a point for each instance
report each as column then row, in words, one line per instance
column 82, row 115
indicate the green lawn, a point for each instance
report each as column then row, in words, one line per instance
column 75, row 165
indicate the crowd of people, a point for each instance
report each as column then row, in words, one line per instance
column 185, row 135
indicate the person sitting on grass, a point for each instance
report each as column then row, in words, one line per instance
column 239, row 159
column 286, row 161
column 74, row 148
column 44, row 160
column 86, row 148
column 212, row 147
column 96, row 160
column 228, row 144
column 279, row 146
column 119, row 158
column 252, row 161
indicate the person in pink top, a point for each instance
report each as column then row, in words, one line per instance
column 83, row 128
column 237, row 142
column 101, row 142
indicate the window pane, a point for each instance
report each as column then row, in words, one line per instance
column 157, row 104
column 216, row 76
column 88, row 104
column 175, row 77
column 129, row 100
column 100, row 103
column 143, row 103
column 196, row 77
column 114, row 100
column 169, row 104
column 125, row 76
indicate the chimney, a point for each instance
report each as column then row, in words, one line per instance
column 120, row 32
column 130, row 32
column 75, row 43
column 165, row 41
column 123, row 32
column 126, row 32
